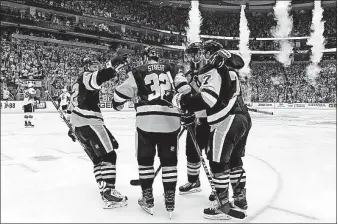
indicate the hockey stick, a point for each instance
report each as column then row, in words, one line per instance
column 137, row 182
column 228, row 210
column 260, row 111
column 69, row 126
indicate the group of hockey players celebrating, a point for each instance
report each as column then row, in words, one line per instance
column 205, row 99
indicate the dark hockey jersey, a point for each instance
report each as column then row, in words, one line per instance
column 219, row 94
column 84, row 100
column 153, row 86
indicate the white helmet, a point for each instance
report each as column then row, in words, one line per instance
column 64, row 89
column 30, row 85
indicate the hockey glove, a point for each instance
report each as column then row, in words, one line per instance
column 118, row 62
column 188, row 118
column 218, row 58
column 72, row 135
column 114, row 142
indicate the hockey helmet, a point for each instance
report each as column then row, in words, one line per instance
column 150, row 53
column 194, row 55
column 90, row 63
column 210, row 47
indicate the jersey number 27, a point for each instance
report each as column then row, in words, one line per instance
column 159, row 84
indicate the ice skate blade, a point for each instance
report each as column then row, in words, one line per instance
column 170, row 215
column 150, row 211
column 195, row 190
column 221, row 216
column 110, row 205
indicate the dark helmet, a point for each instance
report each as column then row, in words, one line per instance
column 194, row 55
column 89, row 63
column 150, row 53
column 211, row 46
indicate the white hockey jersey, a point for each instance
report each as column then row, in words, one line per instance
column 64, row 99
column 29, row 95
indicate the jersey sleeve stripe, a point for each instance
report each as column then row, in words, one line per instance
column 209, row 99
column 119, row 97
column 86, row 81
column 181, row 84
column 93, row 81
column 210, row 92
column 170, row 79
column 183, row 88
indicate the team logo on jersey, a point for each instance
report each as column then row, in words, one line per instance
column 172, row 148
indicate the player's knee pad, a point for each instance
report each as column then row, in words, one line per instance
column 30, row 116
column 145, row 161
column 218, row 167
column 109, row 157
column 220, row 152
column 168, row 161
column 26, row 116
column 236, row 161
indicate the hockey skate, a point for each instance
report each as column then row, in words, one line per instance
column 239, row 201
column 147, row 201
column 190, row 188
column 169, row 200
column 113, row 199
column 215, row 212
column 223, row 211
column 28, row 124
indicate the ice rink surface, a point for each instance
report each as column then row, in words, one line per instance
column 290, row 165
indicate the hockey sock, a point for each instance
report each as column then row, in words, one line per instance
column 108, row 173
column 237, row 178
column 97, row 173
column 169, row 177
column 221, row 181
column 30, row 118
column 26, row 118
column 147, row 175
column 193, row 171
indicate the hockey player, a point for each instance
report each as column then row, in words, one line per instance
column 28, row 104
column 63, row 102
column 157, row 124
column 194, row 57
column 90, row 130
column 229, row 121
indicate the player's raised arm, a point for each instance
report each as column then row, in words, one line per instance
column 125, row 91
column 208, row 95
column 94, row 80
column 181, row 83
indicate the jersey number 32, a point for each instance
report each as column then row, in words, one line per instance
column 159, row 84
